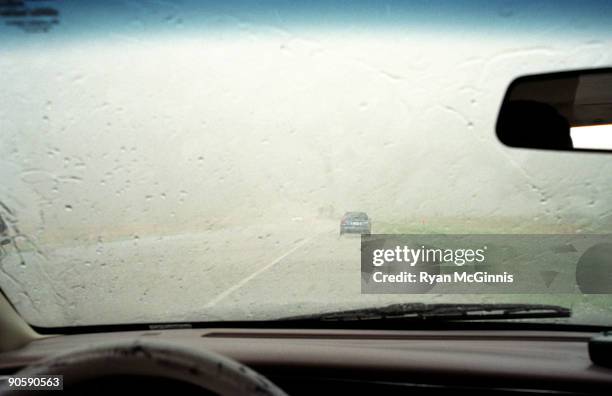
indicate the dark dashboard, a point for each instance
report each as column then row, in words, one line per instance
column 389, row 362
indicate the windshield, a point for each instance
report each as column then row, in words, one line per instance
column 194, row 161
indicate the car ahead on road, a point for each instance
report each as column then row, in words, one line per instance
column 355, row 223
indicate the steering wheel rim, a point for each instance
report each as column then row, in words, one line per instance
column 203, row 368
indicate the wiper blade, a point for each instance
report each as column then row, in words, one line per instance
column 421, row 311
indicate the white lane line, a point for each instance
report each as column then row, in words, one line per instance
column 244, row 281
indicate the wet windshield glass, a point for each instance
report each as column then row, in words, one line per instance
column 194, row 161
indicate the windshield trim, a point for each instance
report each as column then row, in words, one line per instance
column 389, row 325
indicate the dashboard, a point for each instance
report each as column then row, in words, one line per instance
column 389, row 362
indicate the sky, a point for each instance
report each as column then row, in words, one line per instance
column 80, row 19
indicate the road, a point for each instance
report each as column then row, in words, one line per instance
column 234, row 273
column 218, row 274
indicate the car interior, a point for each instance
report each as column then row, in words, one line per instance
column 297, row 198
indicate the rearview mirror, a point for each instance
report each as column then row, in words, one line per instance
column 558, row 111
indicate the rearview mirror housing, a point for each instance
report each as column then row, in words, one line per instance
column 558, row 111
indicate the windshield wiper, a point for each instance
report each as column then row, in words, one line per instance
column 420, row 311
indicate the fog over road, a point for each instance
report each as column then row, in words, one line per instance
column 201, row 273
column 257, row 272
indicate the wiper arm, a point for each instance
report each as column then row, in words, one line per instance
column 420, row 311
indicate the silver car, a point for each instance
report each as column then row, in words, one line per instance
column 355, row 223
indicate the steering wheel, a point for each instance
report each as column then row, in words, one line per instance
column 202, row 368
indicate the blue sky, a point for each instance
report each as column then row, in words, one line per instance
column 493, row 16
